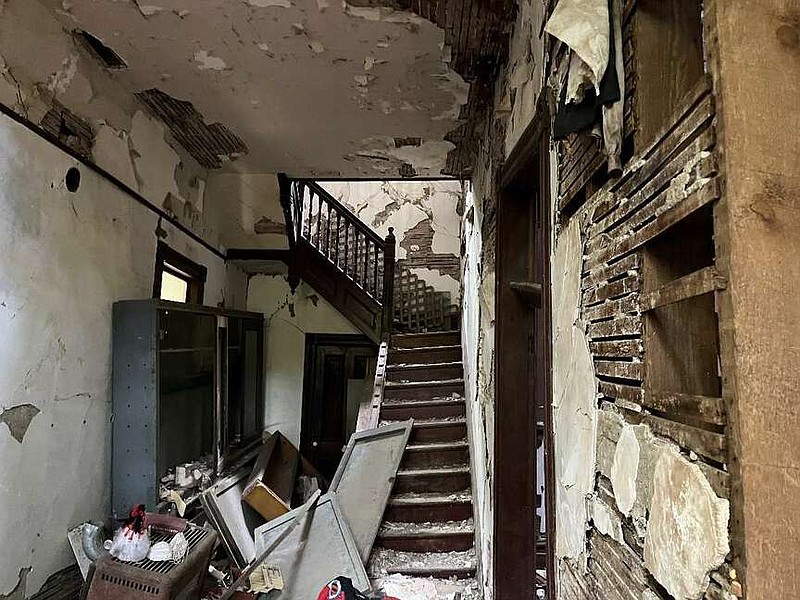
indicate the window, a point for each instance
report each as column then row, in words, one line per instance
column 178, row 278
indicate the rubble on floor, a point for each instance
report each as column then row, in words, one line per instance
column 427, row 588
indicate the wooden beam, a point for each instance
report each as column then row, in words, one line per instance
column 695, row 284
column 705, row 408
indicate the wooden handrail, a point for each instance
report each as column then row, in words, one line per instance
column 350, row 215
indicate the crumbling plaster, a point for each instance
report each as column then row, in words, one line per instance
column 288, row 319
column 370, row 74
column 65, row 259
column 403, row 206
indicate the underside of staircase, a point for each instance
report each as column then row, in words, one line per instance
column 426, row 545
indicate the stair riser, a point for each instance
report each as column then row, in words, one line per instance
column 424, row 356
column 424, row 459
column 401, row 412
column 432, row 373
column 449, row 483
column 440, row 543
column 447, row 432
column 444, row 573
column 424, row 392
column 424, row 340
column 429, row 513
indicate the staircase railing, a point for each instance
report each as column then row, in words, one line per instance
column 315, row 218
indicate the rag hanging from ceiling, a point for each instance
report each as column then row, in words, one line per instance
column 593, row 96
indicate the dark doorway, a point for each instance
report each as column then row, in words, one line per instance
column 524, row 523
column 339, row 373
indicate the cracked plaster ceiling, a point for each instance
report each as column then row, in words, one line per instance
column 312, row 87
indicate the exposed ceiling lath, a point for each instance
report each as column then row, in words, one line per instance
column 209, row 144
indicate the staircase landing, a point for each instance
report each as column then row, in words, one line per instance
column 426, row 545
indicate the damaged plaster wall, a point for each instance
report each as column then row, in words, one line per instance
column 66, row 257
column 512, row 108
column 426, row 216
column 288, row 319
column 247, row 210
column 574, row 393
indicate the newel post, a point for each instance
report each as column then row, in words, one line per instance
column 388, row 284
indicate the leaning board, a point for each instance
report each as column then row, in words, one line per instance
column 365, row 477
column 329, row 550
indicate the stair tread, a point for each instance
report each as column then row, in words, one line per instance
column 431, row 588
column 422, row 384
column 429, row 423
column 421, row 366
column 394, row 529
column 434, row 471
column 438, row 446
column 418, row 348
column 412, row 402
column 425, row 498
column 386, row 561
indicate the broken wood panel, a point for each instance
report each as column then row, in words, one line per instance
column 695, row 110
column 617, row 349
column 720, row 480
column 619, row 369
column 614, row 289
column 652, row 187
column 695, row 284
column 694, row 201
column 705, row 443
column 705, row 408
column 611, row 308
column 621, row 326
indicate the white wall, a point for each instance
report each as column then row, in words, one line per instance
column 403, row 205
column 64, row 259
column 285, row 344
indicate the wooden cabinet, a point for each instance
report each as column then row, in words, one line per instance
column 187, row 384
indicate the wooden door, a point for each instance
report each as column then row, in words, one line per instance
column 523, row 556
column 333, row 364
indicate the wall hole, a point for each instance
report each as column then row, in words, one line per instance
column 73, row 179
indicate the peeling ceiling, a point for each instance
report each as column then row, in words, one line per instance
column 312, row 88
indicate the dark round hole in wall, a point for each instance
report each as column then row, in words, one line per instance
column 73, row 179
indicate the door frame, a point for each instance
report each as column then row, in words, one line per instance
column 313, row 340
column 515, row 472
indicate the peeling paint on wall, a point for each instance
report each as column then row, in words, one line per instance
column 687, row 532
column 18, row 419
column 574, row 394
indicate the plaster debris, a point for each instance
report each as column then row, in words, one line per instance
column 268, row 3
column 265, row 49
column 18, row 419
column 298, row 28
column 605, row 521
column 362, row 80
column 316, row 46
column 322, row 5
column 687, row 533
column 624, row 470
column 148, row 10
column 267, row 225
column 209, row 62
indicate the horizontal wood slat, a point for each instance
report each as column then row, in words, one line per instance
column 706, row 408
column 695, row 284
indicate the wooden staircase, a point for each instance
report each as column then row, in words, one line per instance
column 428, row 529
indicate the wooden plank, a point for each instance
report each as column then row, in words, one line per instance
column 630, row 393
column 657, row 183
column 705, row 408
column 612, row 308
column 706, row 443
column 627, row 285
column 720, row 480
column 601, row 274
column 616, row 327
column 694, row 284
column 619, row 369
column 694, row 201
column 617, row 348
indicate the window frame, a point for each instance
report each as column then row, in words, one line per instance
column 176, row 264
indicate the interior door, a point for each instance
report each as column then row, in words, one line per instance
column 338, row 376
column 523, row 516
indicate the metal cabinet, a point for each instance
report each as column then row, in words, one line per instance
column 187, row 384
